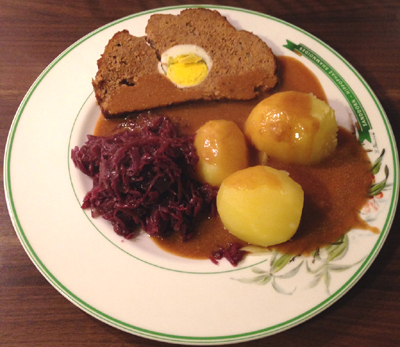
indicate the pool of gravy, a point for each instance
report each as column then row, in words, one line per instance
column 335, row 190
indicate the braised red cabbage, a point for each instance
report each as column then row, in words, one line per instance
column 232, row 253
column 143, row 178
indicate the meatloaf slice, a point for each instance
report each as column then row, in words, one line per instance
column 128, row 78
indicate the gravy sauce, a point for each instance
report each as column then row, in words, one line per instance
column 335, row 190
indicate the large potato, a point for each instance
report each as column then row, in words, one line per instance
column 293, row 127
column 260, row 205
column 222, row 150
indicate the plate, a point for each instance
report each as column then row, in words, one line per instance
column 133, row 285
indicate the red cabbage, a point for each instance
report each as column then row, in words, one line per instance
column 232, row 253
column 143, row 178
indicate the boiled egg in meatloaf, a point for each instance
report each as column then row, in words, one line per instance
column 185, row 65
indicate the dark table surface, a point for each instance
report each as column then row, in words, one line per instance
column 33, row 33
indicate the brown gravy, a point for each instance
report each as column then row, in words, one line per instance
column 335, row 190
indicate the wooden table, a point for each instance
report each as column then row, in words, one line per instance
column 33, row 33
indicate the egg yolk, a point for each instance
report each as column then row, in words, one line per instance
column 187, row 70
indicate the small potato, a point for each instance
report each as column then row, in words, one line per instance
column 260, row 205
column 222, row 150
column 293, row 127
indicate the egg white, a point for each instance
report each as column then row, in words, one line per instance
column 180, row 50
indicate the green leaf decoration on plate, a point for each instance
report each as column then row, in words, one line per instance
column 263, row 277
column 319, row 266
column 279, row 262
column 376, row 166
column 376, row 188
column 334, row 252
column 338, row 249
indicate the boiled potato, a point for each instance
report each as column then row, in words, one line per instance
column 293, row 127
column 260, row 205
column 222, row 150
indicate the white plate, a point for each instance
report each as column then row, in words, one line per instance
column 133, row 285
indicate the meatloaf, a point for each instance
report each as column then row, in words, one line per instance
column 129, row 80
